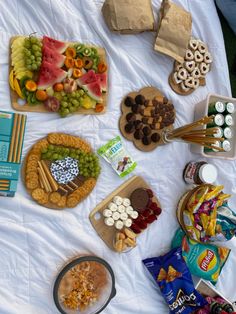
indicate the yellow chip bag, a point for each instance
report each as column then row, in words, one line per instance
column 197, row 199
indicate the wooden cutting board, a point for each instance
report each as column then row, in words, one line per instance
column 148, row 93
column 106, row 233
column 40, row 108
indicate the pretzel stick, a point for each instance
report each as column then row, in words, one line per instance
column 13, row 135
column 206, row 145
column 75, row 186
column 17, row 138
column 22, row 131
column 44, row 178
column 187, row 128
column 50, row 178
column 69, row 188
column 203, row 138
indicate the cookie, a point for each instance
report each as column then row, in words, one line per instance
column 184, row 87
column 176, row 79
column 189, row 55
column 190, row 65
column 182, row 74
column 193, row 44
column 198, row 57
column 207, row 58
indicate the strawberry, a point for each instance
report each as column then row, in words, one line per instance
column 157, row 211
column 142, row 224
column 151, row 218
column 153, row 206
column 150, row 193
column 146, row 213
column 135, row 228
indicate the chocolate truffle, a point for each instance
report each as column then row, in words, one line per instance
column 129, row 127
column 146, row 130
column 140, row 99
column 129, row 101
column 155, row 137
column 138, row 124
column 130, row 117
column 138, row 134
column 135, row 108
column 146, row 140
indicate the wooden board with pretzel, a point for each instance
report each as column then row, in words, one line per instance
column 19, row 105
column 108, row 233
column 156, row 116
column 40, row 181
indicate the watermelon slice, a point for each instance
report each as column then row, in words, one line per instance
column 93, row 90
column 87, row 78
column 49, row 75
column 54, row 44
column 53, row 57
column 102, row 79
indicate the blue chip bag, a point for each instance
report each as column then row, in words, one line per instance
column 174, row 279
column 203, row 260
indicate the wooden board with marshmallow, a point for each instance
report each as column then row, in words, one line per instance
column 125, row 214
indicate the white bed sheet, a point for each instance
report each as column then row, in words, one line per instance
column 34, row 241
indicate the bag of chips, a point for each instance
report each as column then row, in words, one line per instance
column 203, row 260
column 174, row 279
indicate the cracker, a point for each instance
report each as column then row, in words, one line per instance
column 72, row 201
column 75, row 197
column 32, row 175
column 32, row 183
column 62, row 202
column 33, row 156
column 69, row 141
column 44, row 199
column 32, row 163
column 38, row 194
column 55, row 197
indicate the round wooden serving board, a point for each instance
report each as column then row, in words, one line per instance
column 106, row 233
column 40, row 107
column 148, row 93
column 49, row 204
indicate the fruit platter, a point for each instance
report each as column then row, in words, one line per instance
column 47, row 75
column 124, row 214
column 60, row 171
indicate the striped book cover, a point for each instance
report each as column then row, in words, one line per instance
column 12, row 130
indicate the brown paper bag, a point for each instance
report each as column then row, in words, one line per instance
column 128, row 16
column 174, row 30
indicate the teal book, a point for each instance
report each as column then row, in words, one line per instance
column 12, row 131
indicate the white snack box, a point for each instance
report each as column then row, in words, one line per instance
column 201, row 110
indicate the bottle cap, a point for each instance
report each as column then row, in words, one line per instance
column 208, row 173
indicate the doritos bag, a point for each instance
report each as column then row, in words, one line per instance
column 175, row 281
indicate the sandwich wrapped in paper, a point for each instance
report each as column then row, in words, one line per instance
column 174, row 30
column 128, row 16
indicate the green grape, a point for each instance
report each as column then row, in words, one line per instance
column 81, row 92
column 35, row 48
column 28, row 61
column 34, row 66
column 50, row 147
column 32, row 57
column 33, row 40
column 27, row 43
